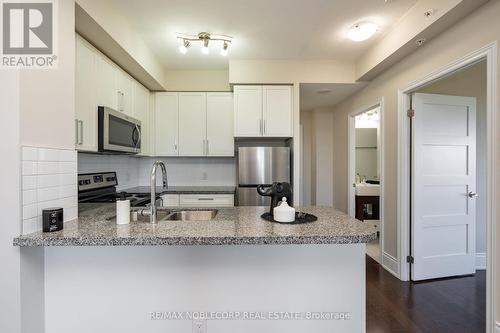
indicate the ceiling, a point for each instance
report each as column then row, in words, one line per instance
column 262, row 29
column 322, row 95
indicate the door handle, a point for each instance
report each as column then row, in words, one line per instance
column 473, row 194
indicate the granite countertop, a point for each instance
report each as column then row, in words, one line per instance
column 183, row 190
column 231, row 226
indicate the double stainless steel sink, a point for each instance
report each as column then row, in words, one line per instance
column 177, row 215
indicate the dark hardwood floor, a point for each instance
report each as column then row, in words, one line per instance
column 452, row 305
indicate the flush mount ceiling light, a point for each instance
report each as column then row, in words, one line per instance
column 362, row 31
column 205, row 39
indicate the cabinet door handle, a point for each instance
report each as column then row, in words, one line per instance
column 120, row 101
column 264, row 127
column 260, row 126
column 81, row 132
column 208, row 145
column 77, row 135
column 205, row 199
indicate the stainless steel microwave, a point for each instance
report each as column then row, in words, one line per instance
column 118, row 133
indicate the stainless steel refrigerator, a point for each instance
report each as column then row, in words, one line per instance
column 260, row 165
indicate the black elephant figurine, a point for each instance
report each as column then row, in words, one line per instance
column 276, row 191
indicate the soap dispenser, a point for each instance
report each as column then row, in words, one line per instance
column 283, row 212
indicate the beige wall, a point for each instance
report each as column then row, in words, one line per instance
column 201, row 80
column 11, row 204
column 290, row 71
column 472, row 82
column 317, row 159
column 481, row 28
column 47, row 97
column 120, row 29
column 308, row 188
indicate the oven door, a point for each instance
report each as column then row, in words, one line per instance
column 118, row 132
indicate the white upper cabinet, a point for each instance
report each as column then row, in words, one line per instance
column 166, row 124
column 277, row 111
column 248, row 111
column 100, row 82
column 85, row 97
column 192, row 124
column 125, row 93
column 263, row 111
column 141, row 112
column 106, row 83
column 220, row 141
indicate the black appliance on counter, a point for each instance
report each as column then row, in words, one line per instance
column 100, row 187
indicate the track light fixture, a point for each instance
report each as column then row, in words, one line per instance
column 205, row 38
column 183, row 47
column 224, row 50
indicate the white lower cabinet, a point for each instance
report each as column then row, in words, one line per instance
column 198, row 200
column 170, row 200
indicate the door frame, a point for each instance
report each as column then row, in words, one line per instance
column 351, row 162
column 488, row 53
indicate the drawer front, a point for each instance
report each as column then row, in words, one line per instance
column 170, row 200
column 207, row 200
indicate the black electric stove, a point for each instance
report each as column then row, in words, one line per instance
column 100, row 187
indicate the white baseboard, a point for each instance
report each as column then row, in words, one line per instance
column 390, row 263
column 480, row 260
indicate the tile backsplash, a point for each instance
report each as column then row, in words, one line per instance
column 48, row 180
column 182, row 171
column 126, row 167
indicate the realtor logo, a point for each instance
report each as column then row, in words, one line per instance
column 28, row 34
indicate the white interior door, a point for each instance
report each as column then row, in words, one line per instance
column 444, row 184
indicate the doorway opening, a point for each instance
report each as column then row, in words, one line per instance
column 438, row 136
column 365, row 201
column 448, row 220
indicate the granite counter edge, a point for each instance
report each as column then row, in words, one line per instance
column 23, row 241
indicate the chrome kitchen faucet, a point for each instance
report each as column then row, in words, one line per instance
column 152, row 217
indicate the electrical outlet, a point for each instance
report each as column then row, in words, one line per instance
column 199, row 326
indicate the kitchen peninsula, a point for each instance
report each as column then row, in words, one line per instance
column 236, row 262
